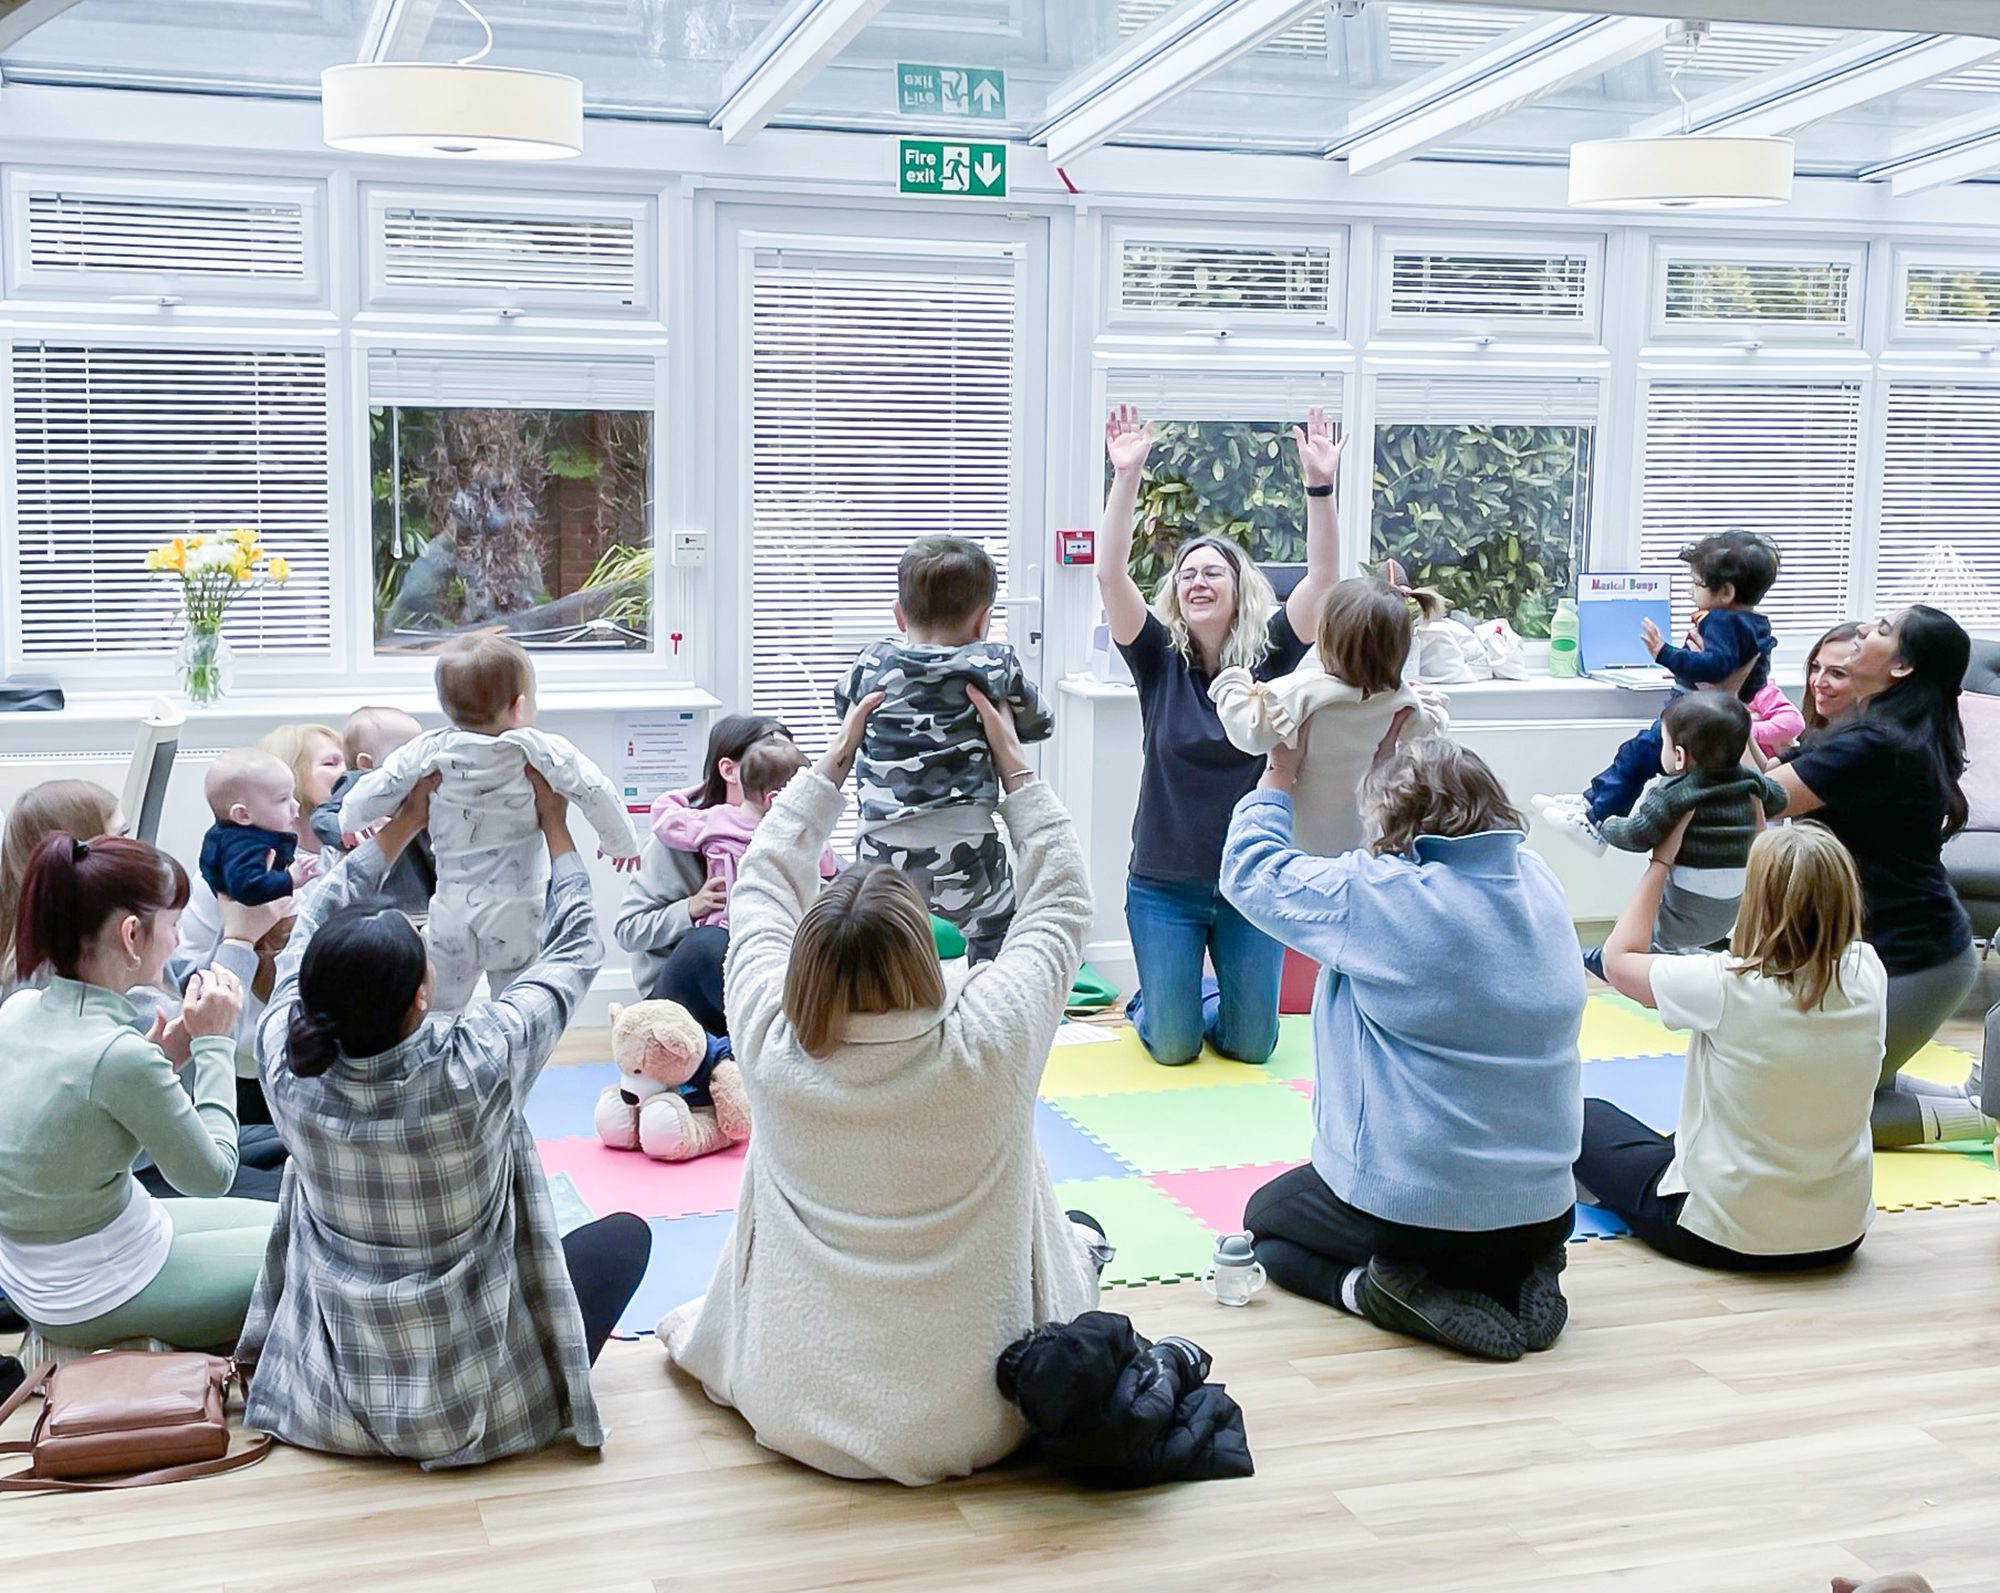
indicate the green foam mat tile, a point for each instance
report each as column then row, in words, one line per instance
column 1175, row 1131
column 1294, row 1057
column 1156, row 1241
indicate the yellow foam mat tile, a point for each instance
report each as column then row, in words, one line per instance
column 1940, row 1064
column 1120, row 1065
column 1613, row 1031
column 1935, row 1176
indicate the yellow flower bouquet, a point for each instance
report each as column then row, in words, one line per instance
column 213, row 571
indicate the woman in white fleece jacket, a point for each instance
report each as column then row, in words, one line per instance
column 897, row 1228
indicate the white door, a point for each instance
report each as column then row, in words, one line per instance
column 888, row 367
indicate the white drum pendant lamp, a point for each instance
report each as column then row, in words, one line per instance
column 1688, row 172
column 453, row 111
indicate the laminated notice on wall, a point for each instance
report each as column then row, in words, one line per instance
column 657, row 752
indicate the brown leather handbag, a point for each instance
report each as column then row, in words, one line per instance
column 127, row 1419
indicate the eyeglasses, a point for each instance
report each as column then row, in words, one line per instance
column 1208, row 572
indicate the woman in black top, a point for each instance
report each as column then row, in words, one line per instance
column 1884, row 778
column 1215, row 609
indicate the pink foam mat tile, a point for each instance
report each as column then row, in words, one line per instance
column 610, row 1180
column 1216, row 1198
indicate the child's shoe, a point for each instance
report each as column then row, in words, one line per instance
column 1576, row 825
column 1567, row 799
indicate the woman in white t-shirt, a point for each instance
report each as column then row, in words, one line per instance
column 1771, row 1170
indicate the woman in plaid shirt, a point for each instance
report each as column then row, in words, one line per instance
column 416, row 1299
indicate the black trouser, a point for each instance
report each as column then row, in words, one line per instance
column 251, row 1107
column 692, row 975
column 606, row 1258
column 260, row 1166
column 1622, row 1163
column 1308, row 1239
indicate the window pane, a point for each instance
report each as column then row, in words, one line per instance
column 537, row 520
column 1494, row 517
column 1757, row 290
column 1236, row 479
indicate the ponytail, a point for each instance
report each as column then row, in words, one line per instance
column 360, row 974
column 74, row 887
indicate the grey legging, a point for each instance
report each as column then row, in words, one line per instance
column 1919, row 1004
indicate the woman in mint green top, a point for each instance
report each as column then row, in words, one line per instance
column 86, row 1255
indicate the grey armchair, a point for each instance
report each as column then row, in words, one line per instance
column 1972, row 857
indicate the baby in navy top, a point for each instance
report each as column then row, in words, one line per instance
column 249, row 852
column 1729, row 648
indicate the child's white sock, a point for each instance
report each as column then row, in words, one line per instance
column 1947, row 1117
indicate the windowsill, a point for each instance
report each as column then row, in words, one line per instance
column 1482, row 701
column 127, row 707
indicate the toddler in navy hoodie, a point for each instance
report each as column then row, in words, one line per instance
column 249, row 853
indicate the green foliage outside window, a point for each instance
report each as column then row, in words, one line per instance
column 1763, row 290
column 1943, row 295
column 1492, row 516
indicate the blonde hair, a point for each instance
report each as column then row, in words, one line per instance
column 81, row 808
column 293, row 746
column 865, row 945
column 1249, row 637
column 1432, row 786
column 1801, row 911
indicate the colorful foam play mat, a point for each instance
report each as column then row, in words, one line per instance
column 1164, row 1157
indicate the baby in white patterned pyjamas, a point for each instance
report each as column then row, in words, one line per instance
column 492, row 864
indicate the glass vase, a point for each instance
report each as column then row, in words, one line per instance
column 206, row 665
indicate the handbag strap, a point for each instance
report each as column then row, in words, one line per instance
column 249, row 1455
column 20, row 1397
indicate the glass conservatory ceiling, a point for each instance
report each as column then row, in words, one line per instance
column 1372, row 81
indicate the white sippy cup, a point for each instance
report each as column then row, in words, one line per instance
column 1238, row 1274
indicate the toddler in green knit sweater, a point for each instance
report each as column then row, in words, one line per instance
column 1703, row 737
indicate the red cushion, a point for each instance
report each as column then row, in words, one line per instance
column 1295, row 989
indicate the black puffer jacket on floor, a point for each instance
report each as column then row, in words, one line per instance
column 1113, row 1410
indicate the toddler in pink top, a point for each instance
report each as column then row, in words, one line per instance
column 720, row 835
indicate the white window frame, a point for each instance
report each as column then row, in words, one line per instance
column 1971, row 335
column 26, row 282
column 1391, row 241
column 1334, row 240
column 151, row 671
column 357, row 559
column 642, row 212
column 1670, row 250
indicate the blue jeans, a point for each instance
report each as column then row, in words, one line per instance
column 1612, row 793
column 1172, row 924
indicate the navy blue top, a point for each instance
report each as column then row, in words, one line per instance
column 1190, row 776
column 1730, row 638
column 233, row 862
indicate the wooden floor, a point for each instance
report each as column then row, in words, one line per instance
column 1690, row 1432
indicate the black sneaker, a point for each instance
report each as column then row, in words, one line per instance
column 1407, row 1299
column 1544, row 1313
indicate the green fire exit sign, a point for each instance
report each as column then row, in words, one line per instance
column 976, row 91
column 938, row 166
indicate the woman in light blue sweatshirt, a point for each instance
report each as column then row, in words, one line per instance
column 1448, row 1095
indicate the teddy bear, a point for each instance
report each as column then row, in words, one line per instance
column 663, row 1105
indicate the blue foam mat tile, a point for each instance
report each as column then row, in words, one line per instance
column 1649, row 1087
column 563, row 1103
column 1071, row 1153
column 1594, row 1222
column 685, row 1250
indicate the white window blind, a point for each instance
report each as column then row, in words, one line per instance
column 1305, row 38
column 537, row 257
column 1200, row 391
column 1940, row 536
column 117, row 449
column 1431, row 35
column 1164, row 276
column 1409, row 399
column 1482, row 283
column 1744, row 49
column 422, row 379
column 1776, row 458
column 1951, row 295
column 882, row 410
column 1769, row 292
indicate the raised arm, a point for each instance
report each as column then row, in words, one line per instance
column 1032, row 719
column 578, row 779
column 1652, row 819
column 1319, row 463
column 1293, row 896
column 512, row 1036
column 1127, row 442
column 777, row 882
column 1030, row 980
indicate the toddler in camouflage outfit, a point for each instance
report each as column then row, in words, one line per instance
column 925, row 773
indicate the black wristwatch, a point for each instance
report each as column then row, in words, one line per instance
column 1325, row 491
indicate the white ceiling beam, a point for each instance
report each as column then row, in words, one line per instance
column 1915, row 16
column 1841, row 85
column 1159, row 66
column 1938, row 156
column 396, row 30
column 1749, row 93
column 19, row 18
column 786, row 58
column 1495, row 83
